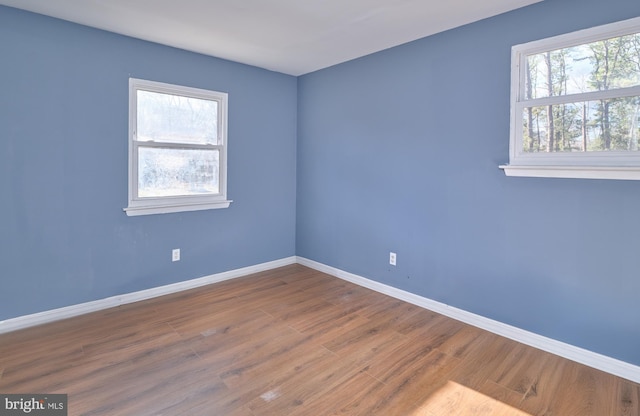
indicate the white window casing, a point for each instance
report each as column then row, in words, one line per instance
column 592, row 164
column 178, row 156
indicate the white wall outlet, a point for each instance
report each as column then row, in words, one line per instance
column 392, row 258
column 175, row 254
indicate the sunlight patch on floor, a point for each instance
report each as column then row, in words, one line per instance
column 455, row 399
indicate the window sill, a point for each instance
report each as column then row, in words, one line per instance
column 167, row 209
column 577, row 172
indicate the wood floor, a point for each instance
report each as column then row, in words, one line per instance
column 294, row 341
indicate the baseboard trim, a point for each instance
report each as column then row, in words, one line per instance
column 40, row 318
column 592, row 359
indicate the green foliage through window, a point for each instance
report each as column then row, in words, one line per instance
column 579, row 125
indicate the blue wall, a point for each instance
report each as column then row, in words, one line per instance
column 399, row 151
column 64, row 238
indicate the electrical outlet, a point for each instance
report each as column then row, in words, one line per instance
column 175, row 254
column 392, row 258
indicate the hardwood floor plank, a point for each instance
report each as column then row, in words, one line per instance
column 421, row 320
column 355, row 395
column 360, row 338
column 397, row 358
column 626, row 401
column 513, row 399
column 488, row 355
column 585, row 396
column 322, row 380
column 294, row 341
column 412, row 382
column 460, row 342
column 455, row 399
column 222, row 322
column 296, row 308
column 533, row 376
column 293, row 366
column 221, row 351
column 270, row 346
column 327, row 327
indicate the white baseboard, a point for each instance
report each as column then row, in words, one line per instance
column 571, row 352
column 40, row 318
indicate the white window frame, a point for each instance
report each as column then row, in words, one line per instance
column 168, row 204
column 589, row 165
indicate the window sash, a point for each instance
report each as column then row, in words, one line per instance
column 154, row 145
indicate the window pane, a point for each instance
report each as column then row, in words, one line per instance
column 598, row 66
column 176, row 172
column 591, row 126
column 176, row 119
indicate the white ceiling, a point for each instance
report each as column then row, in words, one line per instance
column 290, row 36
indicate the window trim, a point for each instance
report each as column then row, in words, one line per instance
column 170, row 204
column 585, row 165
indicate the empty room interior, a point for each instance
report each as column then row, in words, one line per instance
column 316, row 208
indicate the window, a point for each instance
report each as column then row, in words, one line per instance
column 575, row 105
column 177, row 148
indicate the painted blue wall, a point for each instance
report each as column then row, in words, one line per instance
column 64, row 238
column 399, row 151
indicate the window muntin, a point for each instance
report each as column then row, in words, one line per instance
column 576, row 102
column 177, row 148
